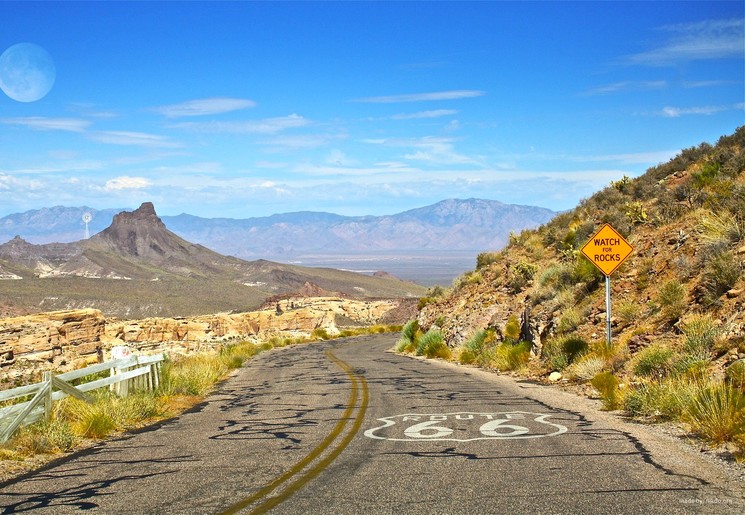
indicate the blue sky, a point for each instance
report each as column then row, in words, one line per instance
column 247, row 109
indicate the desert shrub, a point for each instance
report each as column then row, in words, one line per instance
column 475, row 343
column 521, row 274
column 586, row 367
column 693, row 367
column 563, row 351
column 621, row 185
column 607, row 384
column 512, row 357
column 721, row 273
column 90, row 420
column 734, row 375
column 234, row 355
column 485, row 259
column 636, row 213
column 512, row 330
column 701, row 331
column 466, row 278
column 717, row 413
column 48, row 437
column 466, row 357
column 481, row 347
column 660, row 400
column 584, row 271
column 655, row 361
column 320, row 333
column 672, row 299
column 569, row 321
column 432, row 345
column 410, row 335
column 191, row 375
column 720, row 227
column 410, row 329
column 705, row 176
column 627, row 311
column 552, row 275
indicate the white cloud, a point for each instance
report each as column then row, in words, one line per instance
column 338, row 158
column 618, row 87
column 675, row 112
column 49, row 124
column 126, row 183
column 422, row 97
column 436, row 113
column 204, row 106
column 710, row 39
column 134, row 138
column 265, row 126
column 435, row 150
column 300, row 141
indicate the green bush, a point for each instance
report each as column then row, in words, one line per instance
column 655, row 361
column 587, row 367
column 735, row 374
column 720, row 275
column 193, row 375
column 236, row 354
column 569, row 321
column 627, row 311
column 607, row 384
column 410, row 335
column 432, row 345
column 717, row 413
column 320, row 333
column 659, row 400
column 563, row 351
column 672, row 299
column 49, row 437
column 586, row 272
column 466, row 357
column 512, row 330
column 511, row 357
column 701, row 331
column 486, row 258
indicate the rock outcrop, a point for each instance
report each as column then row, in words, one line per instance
column 64, row 340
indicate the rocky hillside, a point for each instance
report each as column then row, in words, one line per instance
column 686, row 222
column 138, row 267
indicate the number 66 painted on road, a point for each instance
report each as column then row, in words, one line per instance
column 424, row 429
column 465, row 426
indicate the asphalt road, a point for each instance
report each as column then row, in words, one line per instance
column 345, row 427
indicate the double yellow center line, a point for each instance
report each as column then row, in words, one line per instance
column 298, row 476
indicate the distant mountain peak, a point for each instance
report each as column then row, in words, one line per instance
column 143, row 214
column 141, row 233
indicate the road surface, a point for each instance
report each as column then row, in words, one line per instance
column 346, row 427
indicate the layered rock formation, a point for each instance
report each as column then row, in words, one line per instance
column 64, row 340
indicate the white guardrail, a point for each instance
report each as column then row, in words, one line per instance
column 137, row 372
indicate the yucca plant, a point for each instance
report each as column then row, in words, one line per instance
column 717, row 413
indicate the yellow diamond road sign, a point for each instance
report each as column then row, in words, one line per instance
column 607, row 249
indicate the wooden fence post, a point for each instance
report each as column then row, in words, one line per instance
column 47, row 379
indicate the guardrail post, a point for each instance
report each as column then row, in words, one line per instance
column 47, row 379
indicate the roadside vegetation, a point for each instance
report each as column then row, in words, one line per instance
column 536, row 308
column 184, row 381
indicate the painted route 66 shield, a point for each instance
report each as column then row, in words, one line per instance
column 465, row 427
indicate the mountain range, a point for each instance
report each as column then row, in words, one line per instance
column 471, row 225
column 138, row 267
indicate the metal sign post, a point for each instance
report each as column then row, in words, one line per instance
column 607, row 249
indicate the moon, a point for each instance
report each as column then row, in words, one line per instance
column 27, row 72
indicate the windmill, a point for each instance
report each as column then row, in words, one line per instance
column 87, row 217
